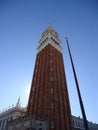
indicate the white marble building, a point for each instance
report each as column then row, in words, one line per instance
column 16, row 117
column 78, row 124
column 11, row 114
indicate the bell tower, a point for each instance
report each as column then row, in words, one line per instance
column 49, row 94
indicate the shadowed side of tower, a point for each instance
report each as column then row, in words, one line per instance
column 49, row 95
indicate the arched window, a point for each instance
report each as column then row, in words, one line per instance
column 51, row 105
column 52, row 124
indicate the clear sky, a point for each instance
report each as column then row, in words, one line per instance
column 21, row 25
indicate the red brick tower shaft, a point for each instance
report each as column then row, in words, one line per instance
column 49, row 94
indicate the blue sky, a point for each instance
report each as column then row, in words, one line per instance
column 21, row 25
